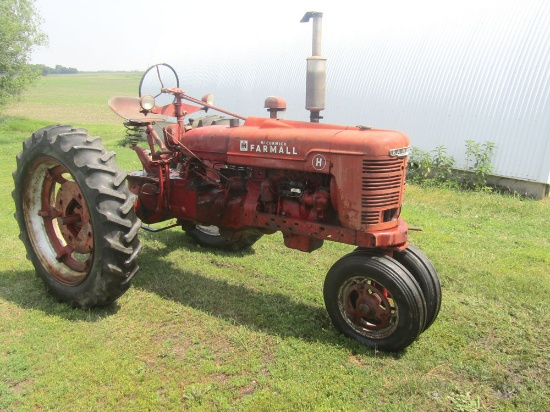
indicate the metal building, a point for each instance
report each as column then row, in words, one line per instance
column 442, row 73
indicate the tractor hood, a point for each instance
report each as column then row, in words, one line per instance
column 284, row 144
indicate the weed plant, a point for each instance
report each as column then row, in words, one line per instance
column 478, row 162
column 437, row 167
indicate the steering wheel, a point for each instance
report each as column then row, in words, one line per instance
column 158, row 77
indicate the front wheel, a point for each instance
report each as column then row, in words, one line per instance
column 373, row 299
column 76, row 216
column 423, row 271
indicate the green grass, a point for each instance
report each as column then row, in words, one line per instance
column 201, row 329
column 79, row 98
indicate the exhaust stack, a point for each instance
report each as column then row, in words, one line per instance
column 316, row 69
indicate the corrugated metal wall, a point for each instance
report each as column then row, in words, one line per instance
column 442, row 73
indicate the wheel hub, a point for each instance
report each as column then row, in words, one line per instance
column 74, row 220
column 368, row 306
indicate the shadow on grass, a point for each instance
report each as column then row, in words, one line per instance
column 26, row 290
column 273, row 313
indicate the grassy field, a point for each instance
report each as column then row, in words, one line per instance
column 206, row 330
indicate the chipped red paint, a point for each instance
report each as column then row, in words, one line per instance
column 313, row 182
column 66, row 220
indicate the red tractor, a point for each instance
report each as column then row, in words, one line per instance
column 227, row 184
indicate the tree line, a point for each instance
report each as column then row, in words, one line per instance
column 58, row 69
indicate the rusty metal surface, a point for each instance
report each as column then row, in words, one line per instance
column 58, row 221
column 74, row 218
column 368, row 305
column 313, row 182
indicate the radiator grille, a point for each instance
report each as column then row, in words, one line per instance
column 382, row 189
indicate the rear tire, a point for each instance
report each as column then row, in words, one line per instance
column 373, row 299
column 76, row 216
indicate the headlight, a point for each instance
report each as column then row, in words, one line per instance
column 147, row 102
column 208, row 99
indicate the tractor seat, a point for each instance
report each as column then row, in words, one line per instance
column 130, row 109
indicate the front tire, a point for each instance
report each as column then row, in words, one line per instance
column 373, row 299
column 76, row 216
column 423, row 271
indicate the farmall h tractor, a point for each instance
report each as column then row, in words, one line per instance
column 227, row 184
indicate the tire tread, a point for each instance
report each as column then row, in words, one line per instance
column 116, row 244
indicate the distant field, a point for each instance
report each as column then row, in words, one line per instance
column 206, row 330
column 78, row 98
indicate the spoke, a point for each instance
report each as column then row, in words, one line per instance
column 68, row 220
column 56, row 174
column 158, row 74
column 63, row 254
column 49, row 213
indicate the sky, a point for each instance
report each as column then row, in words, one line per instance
column 246, row 48
column 93, row 35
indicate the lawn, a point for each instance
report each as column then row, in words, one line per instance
column 206, row 330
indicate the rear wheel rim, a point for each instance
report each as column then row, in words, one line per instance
column 58, row 221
